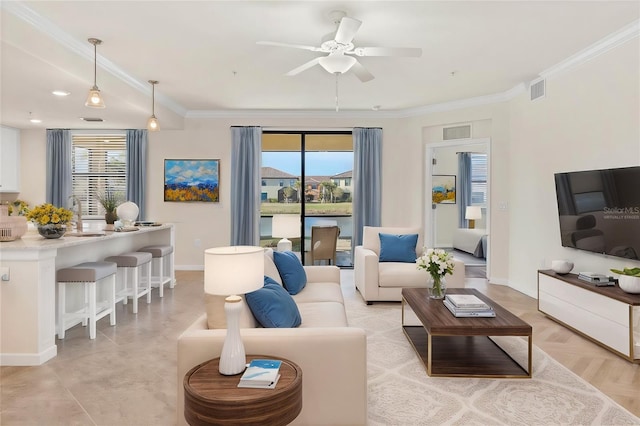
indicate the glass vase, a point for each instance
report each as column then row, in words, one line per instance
column 52, row 231
column 437, row 286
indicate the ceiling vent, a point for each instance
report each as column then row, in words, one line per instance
column 92, row 119
column 457, row 132
column 537, row 89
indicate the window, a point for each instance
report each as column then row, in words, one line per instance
column 264, row 182
column 98, row 164
column 479, row 179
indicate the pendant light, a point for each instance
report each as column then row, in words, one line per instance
column 94, row 100
column 152, row 123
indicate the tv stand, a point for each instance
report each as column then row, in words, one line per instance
column 606, row 315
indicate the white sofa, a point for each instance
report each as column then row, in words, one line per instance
column 383, row 281
column 331, row 354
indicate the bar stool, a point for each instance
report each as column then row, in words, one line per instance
column 88, row 274
column 131, row 264
column 163, row 263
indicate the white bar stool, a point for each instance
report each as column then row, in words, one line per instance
column 162, row 263
column 88, row 274
column 131, row 264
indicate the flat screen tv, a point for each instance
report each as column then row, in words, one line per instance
column 599, row 210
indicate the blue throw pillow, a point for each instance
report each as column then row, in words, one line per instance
column 291, row 271
column 273, row 307
column 398, row 248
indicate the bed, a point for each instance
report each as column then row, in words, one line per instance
column 473, row 241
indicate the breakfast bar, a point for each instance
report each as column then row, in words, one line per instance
column 28, row 288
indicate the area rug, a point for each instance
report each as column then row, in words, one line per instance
column 401, row 393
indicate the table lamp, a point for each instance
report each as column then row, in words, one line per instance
column 285, row 226
column 230, row 271
column 472, row 214
column 127, row 212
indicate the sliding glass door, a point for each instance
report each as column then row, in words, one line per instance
column 307, row 174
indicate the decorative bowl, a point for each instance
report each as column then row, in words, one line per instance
column 629, row 283
column 561, row 266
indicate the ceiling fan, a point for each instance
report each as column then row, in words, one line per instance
column 341, row 50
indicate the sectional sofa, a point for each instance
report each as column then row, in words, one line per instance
column 331, row 354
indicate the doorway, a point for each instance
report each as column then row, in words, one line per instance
column 442, row 214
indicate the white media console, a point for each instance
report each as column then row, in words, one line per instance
column 606, row 315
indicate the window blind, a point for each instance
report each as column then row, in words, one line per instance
column 479, row 179
column 98, row 167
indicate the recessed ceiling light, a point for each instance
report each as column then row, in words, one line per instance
column 35, row 120
column 376, row 107
column 61, row 93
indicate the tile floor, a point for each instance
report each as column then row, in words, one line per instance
column 126, row 376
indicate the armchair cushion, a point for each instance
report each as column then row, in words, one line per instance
column 398, row 248
column 291, row 271
column 273, row 307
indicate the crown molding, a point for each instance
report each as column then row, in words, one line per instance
column 84, row 50
column 600, row 47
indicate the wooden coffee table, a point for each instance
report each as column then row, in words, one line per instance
column 213, row 399
column 463, row 347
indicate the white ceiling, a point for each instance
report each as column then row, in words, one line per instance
column 205, row 56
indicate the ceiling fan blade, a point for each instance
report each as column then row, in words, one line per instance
column 296, row 46
column 303, row 67
column 414, row 52
column 361, row 72
column 347, row 30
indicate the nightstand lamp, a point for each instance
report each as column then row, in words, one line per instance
column 230, row 271
column 472, row 214
column 285, row 226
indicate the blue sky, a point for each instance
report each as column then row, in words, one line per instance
column 317, row 163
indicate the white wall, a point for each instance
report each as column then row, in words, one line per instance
column 589, row 119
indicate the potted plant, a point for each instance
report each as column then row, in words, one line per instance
column 629, row 280
column 50, row 220
column 109, row 200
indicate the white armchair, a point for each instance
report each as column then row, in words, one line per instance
column 383, row 281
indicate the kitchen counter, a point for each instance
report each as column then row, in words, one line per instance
column 28, row 297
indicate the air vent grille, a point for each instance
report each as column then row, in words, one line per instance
column 457, row 132
column 92, row 119
column 537, row 89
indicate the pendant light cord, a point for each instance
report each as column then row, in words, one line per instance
column 95, row 63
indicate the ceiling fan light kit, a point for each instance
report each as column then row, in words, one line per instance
column 94, row 99
column 338, row 49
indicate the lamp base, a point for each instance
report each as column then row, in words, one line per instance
column 232, row 359
column 472, row 223
column 285, row 245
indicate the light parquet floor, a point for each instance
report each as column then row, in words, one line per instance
column 611, row 374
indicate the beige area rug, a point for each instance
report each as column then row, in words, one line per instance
column 401, row 393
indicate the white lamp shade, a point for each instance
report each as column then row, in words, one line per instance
column 128, row 211
column 233, row 270
column 285, row 226
column 473, row 213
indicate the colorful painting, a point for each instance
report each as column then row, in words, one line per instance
column 444, row 189
column 192, row 180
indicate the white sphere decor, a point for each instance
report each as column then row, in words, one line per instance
column 128, row 212
column 629, row 283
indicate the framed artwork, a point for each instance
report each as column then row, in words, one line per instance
column 444, row 189
column 192, row 180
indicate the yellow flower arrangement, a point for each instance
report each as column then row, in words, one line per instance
column 45, row 214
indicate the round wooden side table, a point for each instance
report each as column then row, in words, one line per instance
column 213, row 399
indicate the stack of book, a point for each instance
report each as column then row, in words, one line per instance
column 261, row 373
column 467, row 305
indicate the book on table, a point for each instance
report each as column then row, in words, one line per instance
column 261, row 373
column 485, row 312
column 466, row 301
